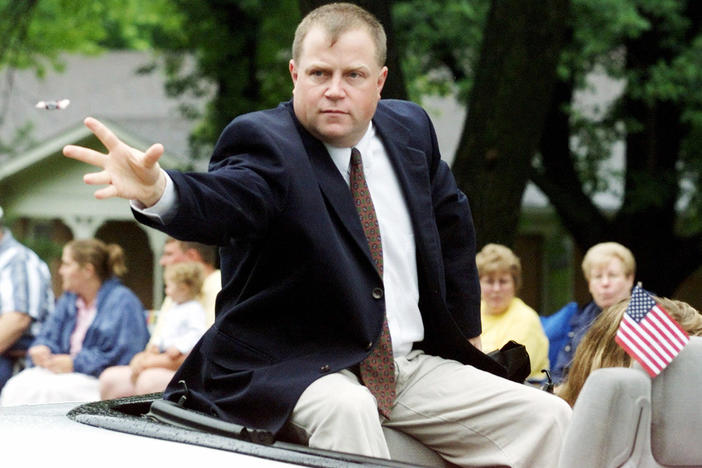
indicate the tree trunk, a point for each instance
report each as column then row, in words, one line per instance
column 507, row 108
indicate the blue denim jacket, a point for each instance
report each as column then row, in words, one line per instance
column 116, row 334
column 565, row 329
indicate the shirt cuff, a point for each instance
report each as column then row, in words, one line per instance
column 164, row 209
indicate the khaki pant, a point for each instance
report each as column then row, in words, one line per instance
column 468, row 416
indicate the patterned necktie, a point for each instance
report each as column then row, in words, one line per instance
column 378, row 369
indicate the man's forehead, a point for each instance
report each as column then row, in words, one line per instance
column 319, row 34
column 173, row 247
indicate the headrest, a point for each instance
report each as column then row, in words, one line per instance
column 676, row 429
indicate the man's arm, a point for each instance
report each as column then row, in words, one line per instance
column 12, row 327
column 127, row 172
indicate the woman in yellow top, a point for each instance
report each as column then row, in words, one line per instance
column 504, row 316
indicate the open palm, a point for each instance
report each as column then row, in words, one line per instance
column 127, row 172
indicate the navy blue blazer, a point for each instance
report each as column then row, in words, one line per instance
column 301, row 297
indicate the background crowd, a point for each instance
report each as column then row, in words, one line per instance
column 93, row 342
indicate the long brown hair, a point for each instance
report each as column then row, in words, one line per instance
column 598, row 348
column 107, row 259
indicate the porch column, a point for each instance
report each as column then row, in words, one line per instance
column 83, row 227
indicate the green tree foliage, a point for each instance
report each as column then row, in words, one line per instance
column 439, row 43
column 654, row 48
column 34, row 33
column 240, row 49
column 516, row 65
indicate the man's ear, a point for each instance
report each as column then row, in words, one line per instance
column 381, row 79
column 193, row 255
column 293, row 70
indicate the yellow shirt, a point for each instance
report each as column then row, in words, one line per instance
column 520, row 323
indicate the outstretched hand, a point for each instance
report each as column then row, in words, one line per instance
column 127, row 172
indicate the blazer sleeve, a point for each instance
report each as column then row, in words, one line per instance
column 454, row 222
column 242, row 192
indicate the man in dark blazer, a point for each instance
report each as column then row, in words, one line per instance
column 304, row 300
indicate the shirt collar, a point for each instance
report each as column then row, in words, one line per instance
column 342, row 156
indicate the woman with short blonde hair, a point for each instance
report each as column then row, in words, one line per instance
column 504, row 316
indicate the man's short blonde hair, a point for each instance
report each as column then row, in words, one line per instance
column 496, row 258
column 602, row 253
column 338, row 18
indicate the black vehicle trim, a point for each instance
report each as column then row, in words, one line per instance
column 131, row 415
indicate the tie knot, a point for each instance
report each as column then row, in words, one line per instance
column 356, row 157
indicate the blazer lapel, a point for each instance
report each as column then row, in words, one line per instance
column 411, row 167
column 334, row 189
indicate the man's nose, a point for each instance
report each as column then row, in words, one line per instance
column 335, row 89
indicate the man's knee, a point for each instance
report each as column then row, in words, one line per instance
column 551, row 410
column 352, row 402
column 338, row 414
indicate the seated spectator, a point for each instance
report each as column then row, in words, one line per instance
column 609, row 269
column 26, row 299
column 151, row 370
column 176, row 251
column 97, row 322
column 504, row 316
column 598, row 348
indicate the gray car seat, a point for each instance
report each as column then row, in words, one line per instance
column 623, row 418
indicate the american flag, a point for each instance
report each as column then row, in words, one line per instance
column 648, row 334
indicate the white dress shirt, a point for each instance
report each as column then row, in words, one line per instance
column 397, row 236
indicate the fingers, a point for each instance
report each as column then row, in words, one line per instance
column 103, row 133
column 101, row 178
column 152, row 155
column 106, row 192
column 85, row 155
column 97, row 178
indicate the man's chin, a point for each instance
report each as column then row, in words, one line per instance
column 335, row 135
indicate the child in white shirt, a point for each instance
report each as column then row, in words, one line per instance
column 179, row 328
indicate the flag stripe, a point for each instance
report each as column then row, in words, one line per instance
column 672, row 326
column 663, row 325
column 648, row 366
column 653, row 329
column 638, row 345
column 653, row 335
column 642, row 342
column 648, row 333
